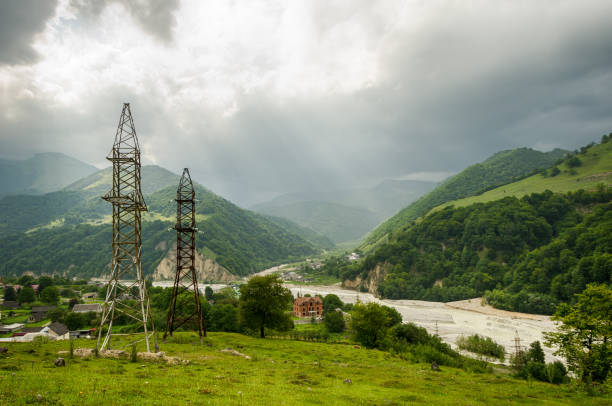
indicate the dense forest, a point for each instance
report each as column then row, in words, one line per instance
column 79, row 245
column 501, row 168
column 523, row 254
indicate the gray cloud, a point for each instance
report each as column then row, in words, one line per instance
column 452, row 88
column 20, row 21
column 155, row 16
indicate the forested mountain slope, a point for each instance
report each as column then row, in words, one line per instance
column 531, row 253
column 43, row 173
column 502, row 168
column 69, row 231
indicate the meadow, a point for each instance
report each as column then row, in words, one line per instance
column 280, row 372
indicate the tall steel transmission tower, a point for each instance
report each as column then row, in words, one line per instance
column 185, row 280
column 126, row 293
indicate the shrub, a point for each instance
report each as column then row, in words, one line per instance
column 556, row 372
column 482, row 345
column 334, row 321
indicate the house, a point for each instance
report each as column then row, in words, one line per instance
column 86, row 308
column 307, row 306
column 90, row 295
column 87, row 333
column 27, row 330
column 58, row 331
column 39, row 313
column 10, row 328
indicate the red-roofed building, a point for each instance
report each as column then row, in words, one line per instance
column 307, row 306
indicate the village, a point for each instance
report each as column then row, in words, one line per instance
column 52, row 309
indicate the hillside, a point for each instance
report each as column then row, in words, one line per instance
column 383, row 199
column 502, row 168
column 532, row 252
column 590, row 167
column 43, row 173
column 278, row 372
column 68, row 232
column 335, row 221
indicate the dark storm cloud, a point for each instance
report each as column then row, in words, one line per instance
column 20, row 21
column 154, row 16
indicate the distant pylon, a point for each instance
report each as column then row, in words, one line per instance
column 185, row 279
column 126, row 292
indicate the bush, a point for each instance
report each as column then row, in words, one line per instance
column 482, row 345
column 556, row 373
column 334, row 321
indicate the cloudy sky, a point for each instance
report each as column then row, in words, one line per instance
column 264, row 97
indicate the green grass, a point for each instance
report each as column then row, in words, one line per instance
column 281, row 372
column 596, row 169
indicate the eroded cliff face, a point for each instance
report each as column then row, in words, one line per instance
column 371, row 283
column 206, row 268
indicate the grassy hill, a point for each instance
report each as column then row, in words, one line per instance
column 69, row 231
column 280, row 372
column 594, row 167
column 43, row 173
column 335, row 221
column 502, row 168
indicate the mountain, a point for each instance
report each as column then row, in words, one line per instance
column 523, row 252
column 68, row 231
column 345, row 214
column 337, row 222
column 43, row 173
column 501, row 168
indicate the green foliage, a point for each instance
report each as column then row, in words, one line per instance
column 208, row 293
column 26, row 295
column 331, row 302
column 74, row 321
column 583, row 338
column 10, row 294
column 523, row 254
column 334, row 321
column 50, row 295
column 43, row 282
column 370, row 324
column 263, row 301
column 482, row 345
column 502, row 168
column 57, row 314
column 224, row 317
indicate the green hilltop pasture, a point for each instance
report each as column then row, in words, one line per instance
column 280, row 372
column 596, row 169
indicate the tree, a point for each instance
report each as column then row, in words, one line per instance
column 26, row 295
column 334, row 321
column 394, row 316
column 369, row 324
column 74, row 321
column 263, row 303
column 224, row 317
column 535, row 353
column 584, row 336
column 56, row 314
column 10, row 294
column 208, row 293
column 43, row 282
column 331, row 302
column 50, row 295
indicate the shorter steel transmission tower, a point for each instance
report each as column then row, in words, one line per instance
column 126, row 292
column 182, row 310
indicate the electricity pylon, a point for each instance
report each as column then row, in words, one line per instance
column 185, row 279
column 126, row 292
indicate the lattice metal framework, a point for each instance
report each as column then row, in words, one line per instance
column 126, row 293
column 182, row 311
